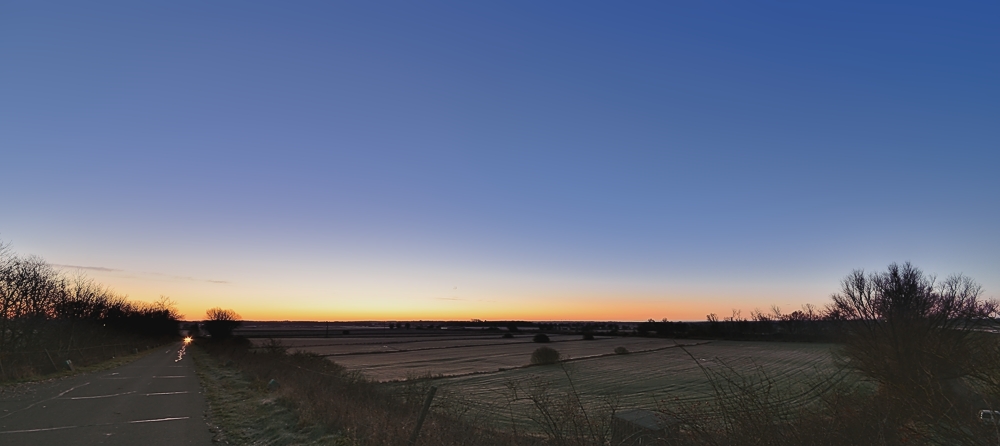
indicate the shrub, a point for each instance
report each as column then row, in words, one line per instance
column 507, row 335
column 544, row 355
column 588, row 336
column 274, row 347
column 621, row 351
column 540, row 337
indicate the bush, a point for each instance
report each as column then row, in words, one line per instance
column 540, row 337
column 221, row 323
column 588, row 336
column 621, row 351
column 544, row 355
column 507, row 335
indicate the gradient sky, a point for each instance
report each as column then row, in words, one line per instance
column 529, row 160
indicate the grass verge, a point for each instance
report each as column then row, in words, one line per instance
column 243, row 411
column 78, row 369
column 320, row 402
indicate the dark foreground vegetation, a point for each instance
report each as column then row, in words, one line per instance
column 362, row 411
column 917, row 361
column 51, row 322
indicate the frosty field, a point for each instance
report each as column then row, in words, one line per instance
column 484, row 373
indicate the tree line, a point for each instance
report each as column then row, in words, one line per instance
column 809, row 324
column 917, row 361
column 43, row 309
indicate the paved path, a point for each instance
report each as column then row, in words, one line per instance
column 155, row 400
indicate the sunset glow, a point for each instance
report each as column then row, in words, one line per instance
column 532, row 161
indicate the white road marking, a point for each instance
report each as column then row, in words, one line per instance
column 70, row 390
column 38, row 430
column 42, row 401
column 157, row 420
column 47, row 429
column 166, row 393
column 97, row 396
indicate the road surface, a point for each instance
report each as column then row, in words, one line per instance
column 155, row 400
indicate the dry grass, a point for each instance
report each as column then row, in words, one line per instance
column 246, row 412
column 758, row 394
column 331, row 399
column 81, row 364
column 640, row 380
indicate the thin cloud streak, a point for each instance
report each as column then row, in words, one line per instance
column 88, row 268
column 104, row 269
column 188, row 278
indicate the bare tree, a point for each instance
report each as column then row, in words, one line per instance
column 167, row 306
column 29, row 288
column 912, row 336
column 220, row 323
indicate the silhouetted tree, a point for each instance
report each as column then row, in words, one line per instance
column 804, row 323
column 220, row 323
column 911, row 335
column 44, row 309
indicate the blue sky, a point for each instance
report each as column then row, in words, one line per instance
column 535, row 160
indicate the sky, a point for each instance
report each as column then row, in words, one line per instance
column 499, row 160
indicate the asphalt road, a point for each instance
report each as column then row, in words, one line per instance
column 155, row 400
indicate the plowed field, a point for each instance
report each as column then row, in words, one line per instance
column 481, row 372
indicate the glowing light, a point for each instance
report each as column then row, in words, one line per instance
column 183, row 349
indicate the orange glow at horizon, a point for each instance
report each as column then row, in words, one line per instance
column 360, row 301
column 538, row 310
